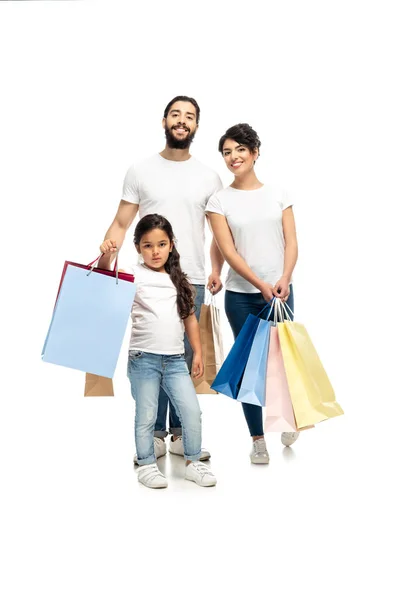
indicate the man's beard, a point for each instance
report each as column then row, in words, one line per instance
column 174, row 143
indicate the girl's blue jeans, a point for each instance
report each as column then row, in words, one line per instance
column 148, row 373
column 164, row 403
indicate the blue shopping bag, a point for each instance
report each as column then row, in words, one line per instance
column 230, row 375
column 89, row 320
column 252, row 389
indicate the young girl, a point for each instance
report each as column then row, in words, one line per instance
column 162, row 311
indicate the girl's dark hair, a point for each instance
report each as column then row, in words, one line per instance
column 183, row 99
column 185, row 292
column 243, row 134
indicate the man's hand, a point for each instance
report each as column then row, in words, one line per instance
column 108, row 247
column 197, row 366
column 214, row 284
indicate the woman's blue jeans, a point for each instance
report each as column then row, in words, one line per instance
column 237, row 307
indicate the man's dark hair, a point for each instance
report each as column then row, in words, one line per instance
column 243, row 134
column 183, row 99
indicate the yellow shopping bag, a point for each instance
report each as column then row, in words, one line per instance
column 311, row 392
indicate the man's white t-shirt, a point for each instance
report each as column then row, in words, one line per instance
column 156, row 324
column 255, row 220
column 179, row 191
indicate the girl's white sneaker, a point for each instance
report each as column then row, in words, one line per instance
column 201, row 474
column 288, row 438
column 151, row 476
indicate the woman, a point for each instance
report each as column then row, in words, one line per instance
column 254, row 227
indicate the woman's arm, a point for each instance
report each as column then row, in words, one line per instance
column 223, row 237
column 281, row 289
column 193, row 333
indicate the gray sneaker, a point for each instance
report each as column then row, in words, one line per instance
column 288, row 438
column 259, row 454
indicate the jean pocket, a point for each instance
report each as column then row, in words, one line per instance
column 135, row 354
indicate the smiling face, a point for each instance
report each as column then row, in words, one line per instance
column 155, row 247
column 180, row 125
column 238, row 158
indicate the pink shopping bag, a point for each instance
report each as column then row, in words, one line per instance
column 279, row 414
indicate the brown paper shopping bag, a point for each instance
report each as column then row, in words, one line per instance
column 98, row 386
column 211, row 346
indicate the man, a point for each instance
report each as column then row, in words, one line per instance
column 177, row 186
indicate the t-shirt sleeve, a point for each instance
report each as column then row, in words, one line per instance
column 215, row 205
column 216, row 184
column 286, row 200
column 130, row 190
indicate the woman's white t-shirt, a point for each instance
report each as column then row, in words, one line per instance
column 156, row 324
column 255, row 220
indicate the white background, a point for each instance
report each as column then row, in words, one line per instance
column 83, row 89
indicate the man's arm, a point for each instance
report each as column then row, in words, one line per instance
column 115, row 235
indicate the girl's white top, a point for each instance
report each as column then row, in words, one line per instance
column 156, row 324
column 255, row 220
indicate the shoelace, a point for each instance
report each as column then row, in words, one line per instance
column 259, row 446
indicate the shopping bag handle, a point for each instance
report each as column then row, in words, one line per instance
column 281, row 310
column 96, row 260
column 286, row 308
column 209, row 298
column 271, row 302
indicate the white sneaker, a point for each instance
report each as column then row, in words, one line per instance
column 151, row 477
column 160, row 449
column 200, row 474
column 288, row 438
column 259, row 454
column 176, row 447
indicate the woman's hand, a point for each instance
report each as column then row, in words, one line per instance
column 282, row 288
column 108, row 247
column 197, row 366
column 267, row 291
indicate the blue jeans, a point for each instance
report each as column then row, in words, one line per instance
column 148, row 373
column 175, row 427
column 237, row 307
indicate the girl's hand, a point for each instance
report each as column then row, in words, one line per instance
column 108, row 247
column 282, row 288
column 197, row 366
column 267, row 291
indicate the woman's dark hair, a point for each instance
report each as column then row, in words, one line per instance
column 185, row 292
column 183, row 99
column 243, row 134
